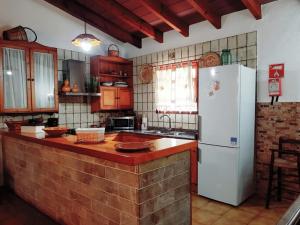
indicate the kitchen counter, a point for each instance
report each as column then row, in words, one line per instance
column 161, row 146
column 96, row 184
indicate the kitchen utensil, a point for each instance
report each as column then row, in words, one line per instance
column 113, row 52
column 32, row 129
column 75, row 88
column 66, row 87
column 52, row 122
column 107, row 84
column 121, row 85
column 226, row 57
column 211, row 59
column 55, row 131
column 146, row 74
column 90, row 135
column 14, row 126
column 36, row 121
column 18, row 34
column 133, row 146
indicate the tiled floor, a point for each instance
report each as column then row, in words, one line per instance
column 14, row 211
column 252, row 212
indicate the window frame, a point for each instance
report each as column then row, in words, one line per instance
column 196, row 93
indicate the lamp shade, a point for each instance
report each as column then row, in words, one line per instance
column 86, row 41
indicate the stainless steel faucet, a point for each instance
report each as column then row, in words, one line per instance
column 169, row 120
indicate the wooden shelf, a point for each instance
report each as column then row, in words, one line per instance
column 80, row 94
column 115, row 59
column 113, row 75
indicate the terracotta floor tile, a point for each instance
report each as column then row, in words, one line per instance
column 14, row 211
column 274, row 213
column 217, row 207
column 224, row 221
column 263, row 221
column 195, row 222
column 238, row 215
column 199, row 202
column 204, row 217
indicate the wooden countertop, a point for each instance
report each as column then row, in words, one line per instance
column 162, row 147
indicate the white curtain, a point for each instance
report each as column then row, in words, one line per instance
column 44, row 80
column 176, row 88
column 14, row 72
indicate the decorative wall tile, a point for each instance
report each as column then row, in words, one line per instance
column 251, row 38
column 242, row 40
column 223, row 44
column 184, row 52
column 68, row 54
column 251, row 52
column 206, row 47
column 242, row 54
column 192, row 51
column 144, row 98
column 215, row 46
column 232, row 42
column 199, row 49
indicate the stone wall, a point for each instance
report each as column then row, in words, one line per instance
column 281, row 119
column 77, row 189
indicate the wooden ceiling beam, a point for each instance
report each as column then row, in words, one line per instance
column 201, row 7
column 254, row 7
column 123, row 14
column 161, row 11
column 82, row 13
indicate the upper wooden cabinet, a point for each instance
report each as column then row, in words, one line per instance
column 113, row 98
column 28, row 77
column 112, row 69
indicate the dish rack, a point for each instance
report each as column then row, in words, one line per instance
column 90, row 135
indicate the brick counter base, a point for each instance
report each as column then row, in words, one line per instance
column 80, row 190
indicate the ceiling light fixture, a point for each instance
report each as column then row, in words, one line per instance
column 86, row 41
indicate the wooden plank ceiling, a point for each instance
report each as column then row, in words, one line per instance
column 131, row 20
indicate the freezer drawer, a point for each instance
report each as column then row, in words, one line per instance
column 218, row 173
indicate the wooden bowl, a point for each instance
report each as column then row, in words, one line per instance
column 55, row 131
column 14, row 126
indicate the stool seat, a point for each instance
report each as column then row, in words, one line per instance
column 287, row 156
column 285, row 163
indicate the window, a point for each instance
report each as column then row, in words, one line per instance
column 176, row 88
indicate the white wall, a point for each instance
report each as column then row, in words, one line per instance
column 278, row 42
column 53, row 26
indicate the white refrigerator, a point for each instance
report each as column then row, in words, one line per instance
column 226, row 121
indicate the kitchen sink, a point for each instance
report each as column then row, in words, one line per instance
column 168, row 133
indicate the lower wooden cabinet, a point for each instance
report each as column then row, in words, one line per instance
column 113, row 98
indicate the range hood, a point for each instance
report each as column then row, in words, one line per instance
column 75, row 72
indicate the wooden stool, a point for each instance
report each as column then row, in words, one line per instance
column 280, row 163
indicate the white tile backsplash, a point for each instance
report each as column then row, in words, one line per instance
column 243, row 50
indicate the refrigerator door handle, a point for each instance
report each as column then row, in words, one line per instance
column 199, row 155
column 200, row 127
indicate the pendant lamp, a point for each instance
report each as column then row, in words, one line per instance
column 86, row 41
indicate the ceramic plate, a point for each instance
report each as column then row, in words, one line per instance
column 133, row 146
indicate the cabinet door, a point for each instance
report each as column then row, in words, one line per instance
column 109, row 98
column 15, row 79
column 124, row 98
column 44, row 80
